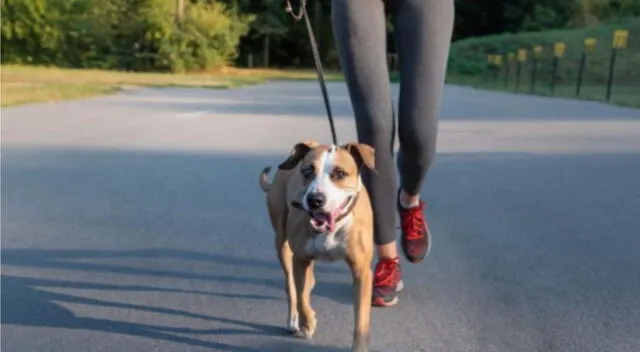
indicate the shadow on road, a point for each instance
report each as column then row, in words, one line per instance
column 161, row 222
column 86, row 261
column 525, row 231
column 26, row 301
column 25, row 305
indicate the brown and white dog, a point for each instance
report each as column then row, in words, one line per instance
column 320, row 210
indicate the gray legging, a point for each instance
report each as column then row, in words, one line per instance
column 423, row 31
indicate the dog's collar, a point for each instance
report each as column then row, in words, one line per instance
column 349, row 208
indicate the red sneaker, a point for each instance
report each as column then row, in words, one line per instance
column 387, row 282
column 415, row 232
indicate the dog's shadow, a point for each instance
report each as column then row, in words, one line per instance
column 337, row 291
column 26, row 302
column 25, row 305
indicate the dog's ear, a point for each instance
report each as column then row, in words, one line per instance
column 363, row 154
column 297, row 153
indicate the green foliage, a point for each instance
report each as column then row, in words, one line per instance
column 207, row 38
column 140, row 35
column 551, row 14
column 616, row 9
column 144, row 35
column 35, row 31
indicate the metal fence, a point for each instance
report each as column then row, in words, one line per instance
column 538, row 69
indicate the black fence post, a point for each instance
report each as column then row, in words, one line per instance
column 536, row 53
column 558, row 52
column 522, row 58
column 554, row 71
column 583, row 60
column 506, row 72
column 489, row 73
column 497, row 67
column 589, row 46
column 620, row 38
column 518, row 70
column 534, row 66
column 612, row 64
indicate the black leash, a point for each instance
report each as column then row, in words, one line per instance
column 302, row 13
column 316, row 58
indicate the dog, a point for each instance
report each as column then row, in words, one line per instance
column 320, row 210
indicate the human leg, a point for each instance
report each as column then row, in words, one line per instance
column 423, row 36
column 359, row 29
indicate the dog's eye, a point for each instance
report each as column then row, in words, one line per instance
column 308, row 171
column 338, row 174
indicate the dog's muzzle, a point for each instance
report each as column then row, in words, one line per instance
column 323, row 222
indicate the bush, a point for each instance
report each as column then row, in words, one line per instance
column 617, row 9
column 42, row 31
column 140, row 35
column 208, row 38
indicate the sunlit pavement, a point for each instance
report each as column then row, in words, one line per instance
column 135, row 222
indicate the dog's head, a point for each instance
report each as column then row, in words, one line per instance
column 330, row 179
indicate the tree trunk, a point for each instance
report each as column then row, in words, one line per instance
column 180, row 9
column 265, row 53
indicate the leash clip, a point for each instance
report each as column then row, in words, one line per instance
column 300, row 14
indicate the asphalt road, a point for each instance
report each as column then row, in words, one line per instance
column 135, row 223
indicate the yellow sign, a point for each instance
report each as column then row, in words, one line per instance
column 620, row 38
column 511, row 57
column 559, row 49
column 590, row 44
column 497, row 59
column 522, row 55
column 537, row 50
column 490, row 58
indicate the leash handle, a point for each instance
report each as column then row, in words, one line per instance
column 302, row 13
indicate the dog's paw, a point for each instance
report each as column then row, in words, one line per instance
column 307, row 327
column 305, row 333
column 293, row 324
column 360, row 347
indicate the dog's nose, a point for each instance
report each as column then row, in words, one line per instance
column 316, row 200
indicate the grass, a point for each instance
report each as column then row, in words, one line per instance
column 628, row 96
column 469, row 56
column 621, row 94
column 31, row 84
column 469, row 66
column 280, row 74
column 18, row 93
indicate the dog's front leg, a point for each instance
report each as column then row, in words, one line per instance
column 304, row 280
column 362, row 287
column 286, row 261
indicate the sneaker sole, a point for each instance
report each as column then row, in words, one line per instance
column 392, row 302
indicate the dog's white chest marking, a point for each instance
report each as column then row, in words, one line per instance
column 330, row 246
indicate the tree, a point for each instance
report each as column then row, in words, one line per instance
column 267, row 25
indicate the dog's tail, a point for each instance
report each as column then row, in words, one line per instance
column 264, row 179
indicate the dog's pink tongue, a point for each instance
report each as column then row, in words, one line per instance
column 331, row 223
column 331, row 219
